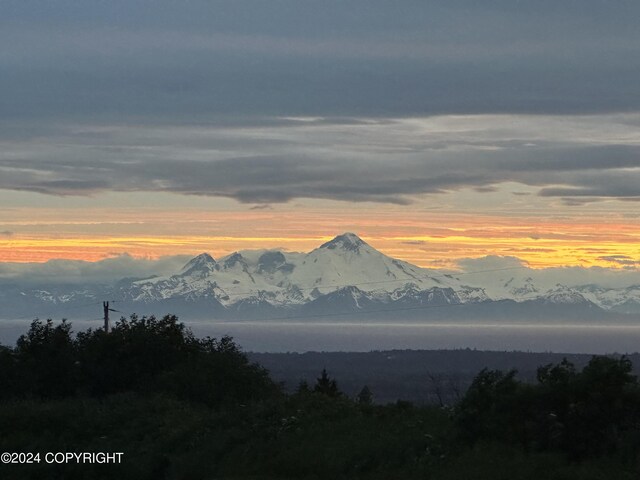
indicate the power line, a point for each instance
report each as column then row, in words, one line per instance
column 73, row 307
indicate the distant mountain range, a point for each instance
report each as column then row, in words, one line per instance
column 345, row 277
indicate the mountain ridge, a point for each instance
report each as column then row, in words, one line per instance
column 344, row 275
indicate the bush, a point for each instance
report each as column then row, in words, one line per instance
column 139, row 354
column 133, row 353
column 45, row 360
column 584, row 414
column 219, row 374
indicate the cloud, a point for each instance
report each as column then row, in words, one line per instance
column 576, row 158
column 355, row 101
column 6, row 233
column 78, row 272
column 486, row 189
column 496, row 271
column 537, row 250
column 620, row 260
column 261, row 207
column 568, row 201
column 200, row 59
column 489, row 271
column 490, row 262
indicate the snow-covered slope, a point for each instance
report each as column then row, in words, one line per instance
column 624, row 300
column 343, row 274
column 288, row 279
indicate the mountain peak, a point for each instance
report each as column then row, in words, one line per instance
column 347, row 241
column 203, row 264
column 564, row 294
column 234, row 259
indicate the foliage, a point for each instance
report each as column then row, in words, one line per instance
column 326, row 385
column 45, row 360
column 133, row 353
column 218, row 374
column 584, row 414
column 181, row 407
column 143, row 354
column 365, row 397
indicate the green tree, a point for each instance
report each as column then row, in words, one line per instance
column 365, row 397
column 9, row 378
column 46, row 360
column 605, row 404
column 154, row 354
column 585, row 414
column 218, row 372
column 303, row 388
column 490, row 407
column 133, row 353
column 326, row 385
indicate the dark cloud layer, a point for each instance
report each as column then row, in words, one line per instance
column 264, row 102
column 620, row 260
column 185, row 60
column 388, row 161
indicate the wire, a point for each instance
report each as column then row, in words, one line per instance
column 73, row 307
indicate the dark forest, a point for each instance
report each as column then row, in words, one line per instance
column 182, row 407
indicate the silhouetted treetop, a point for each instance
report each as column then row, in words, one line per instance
column 139, row 353
column 326, row 385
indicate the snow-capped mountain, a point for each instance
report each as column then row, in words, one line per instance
column 284, row 279
column 343, row 276
column 624, row 300
column 564, row 295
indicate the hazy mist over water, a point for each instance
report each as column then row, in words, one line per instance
column 358, row 337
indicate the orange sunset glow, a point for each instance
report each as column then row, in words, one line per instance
column 428, row 238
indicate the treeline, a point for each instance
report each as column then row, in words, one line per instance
column 419, row 376
column 139, row 354
column 584, row 414
column 182, row 407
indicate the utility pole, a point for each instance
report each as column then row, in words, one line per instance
column 105, row 307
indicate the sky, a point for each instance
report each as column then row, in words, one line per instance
column 440, row 132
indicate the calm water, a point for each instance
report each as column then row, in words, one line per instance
column 300, row 337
